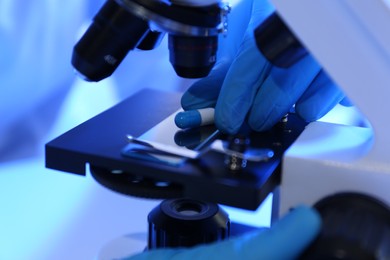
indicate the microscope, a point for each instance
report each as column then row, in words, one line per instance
column 341, row 170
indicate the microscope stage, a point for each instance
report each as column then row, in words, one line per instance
column 99, row 142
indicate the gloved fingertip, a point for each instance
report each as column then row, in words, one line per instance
column 307, row 215
column 307, row 219
column 227, row 124
column 265, row 126
column 203, row 93
column 308, row 115
column 260, row 121
column 226, row 129
column 346, row 102
column 295, row 232
column 188, row 101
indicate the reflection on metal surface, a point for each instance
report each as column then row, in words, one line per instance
column 251, row 154
column 166, row 143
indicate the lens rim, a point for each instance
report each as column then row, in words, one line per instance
column 178, row 19
column 205, row 210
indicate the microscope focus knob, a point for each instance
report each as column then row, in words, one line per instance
column 186, row 223
column 355, row 226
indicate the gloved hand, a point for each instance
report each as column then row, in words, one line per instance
column 287, row 239
column 244, row 86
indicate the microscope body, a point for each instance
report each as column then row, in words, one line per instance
column 354, row 49
column 350, row 40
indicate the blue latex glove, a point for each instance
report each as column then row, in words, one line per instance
column 244, row 86
column 287, row 239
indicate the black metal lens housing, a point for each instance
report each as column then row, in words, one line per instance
column 113, row 33
column 122, row 25
column 151, row 41
column 186, row 223
column 192, row 57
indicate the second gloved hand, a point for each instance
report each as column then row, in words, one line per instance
column 244, row 86
column 287, row 239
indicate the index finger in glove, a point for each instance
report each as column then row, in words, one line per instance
column 238, row 91
column 280, row 91
column 204, row 93
column 320, row 97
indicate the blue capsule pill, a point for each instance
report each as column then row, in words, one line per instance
column 194, row 118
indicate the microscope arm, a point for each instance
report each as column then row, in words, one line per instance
column 344, row 170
